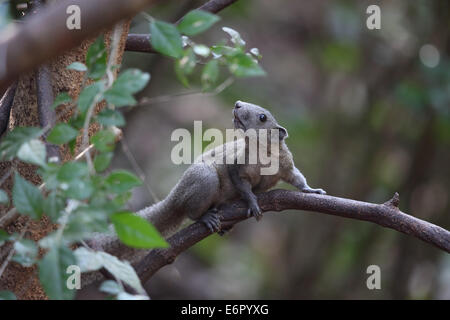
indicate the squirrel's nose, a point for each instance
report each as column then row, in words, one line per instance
column 238, row 104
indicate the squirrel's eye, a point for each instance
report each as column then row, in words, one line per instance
column 262, row 117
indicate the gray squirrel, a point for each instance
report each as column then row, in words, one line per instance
column 207, row 183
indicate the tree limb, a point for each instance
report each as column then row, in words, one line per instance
column 6, row 103
column 386, row 215
column 141, row 42
column 45, row 35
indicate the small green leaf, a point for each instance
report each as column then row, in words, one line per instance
column 201, row 50
column 102, row 161
column 89, row 96
column 196, row 21
column 96, row 59
column 75, row 180
column 121, row 181
column 110, row 117
column 60, row 99
column 33, row 152
column 4, row 199
column 128, row 83
column 242, row 65
column 210, row 74
column 185, row 66
column 72, row 170
column 62, row 133
column 89, row 260
column 27, row 198
column 7, row 295
column 77, row 66
column 53, row 206
column 166, row 39
column 84, row 221
column 15, row 139
column 25, row 252
column 4, row 236
column 137, row 232
column 52, row 273
column 104, row 140
column 235, row 36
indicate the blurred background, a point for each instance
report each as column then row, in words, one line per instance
column 367, row 113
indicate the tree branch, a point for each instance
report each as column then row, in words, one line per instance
column 5, row 107
column 47, row 116
column 386, row 215
column 141, row 42
column 45, row 35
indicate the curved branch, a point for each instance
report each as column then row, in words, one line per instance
column 45, row 35
column 141, row 42
column 5, row 106
column 47, row 116
column 387, row 215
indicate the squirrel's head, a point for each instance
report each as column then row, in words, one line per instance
column 250, row 116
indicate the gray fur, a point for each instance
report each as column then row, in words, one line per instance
column 207, row 184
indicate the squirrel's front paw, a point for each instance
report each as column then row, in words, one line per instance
column 311, row 190
column 212, row 220
column 254, row 210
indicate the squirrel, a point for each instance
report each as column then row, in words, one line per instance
column 207, row 183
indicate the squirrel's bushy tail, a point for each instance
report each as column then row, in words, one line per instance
column 163, row 215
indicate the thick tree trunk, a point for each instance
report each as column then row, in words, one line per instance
column 24, row 281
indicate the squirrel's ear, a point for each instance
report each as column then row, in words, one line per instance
column 283, row 132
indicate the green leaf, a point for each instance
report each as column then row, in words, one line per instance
column 33, row 152
column 89, row 260
column 110, row 117
column 25, row 252
column 75, row 180
column 96, row 59
column 15, row 139
column 121, row 181
column 166, row 39
column 243, row 65
column 52, row 273
column 201, row 50
column 7, row 295
column 53, row 206
column 196, row 21
column 27, row 198
column 4, row 199
column 84, row 221
column 111, row 287
column 60, row 99
column 235, row 36
column 5, row 17
column 77, row 66
column 89, row 96
column 137, row 232
column 102, row 161
column 185, row 66
column 128, row 83
column 62, row 133
column 104, row 140
column 4, row 236
column 72, row 170
column 210, row 74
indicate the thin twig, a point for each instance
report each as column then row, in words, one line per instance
column 11, row 252
column 141, row 42
column 146, row 101
column 126, row 150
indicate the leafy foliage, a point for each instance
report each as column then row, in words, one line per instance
column 167, row 39
column 79, row 196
